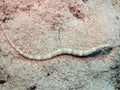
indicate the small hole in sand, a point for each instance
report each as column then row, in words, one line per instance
column 2, row 81
column 32, row 88
column 117, row 17
column 84, row 1
column 48, row 74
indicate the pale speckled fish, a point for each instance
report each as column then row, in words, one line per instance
column 58, row 52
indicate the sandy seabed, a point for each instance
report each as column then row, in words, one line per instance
column 39, row 27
